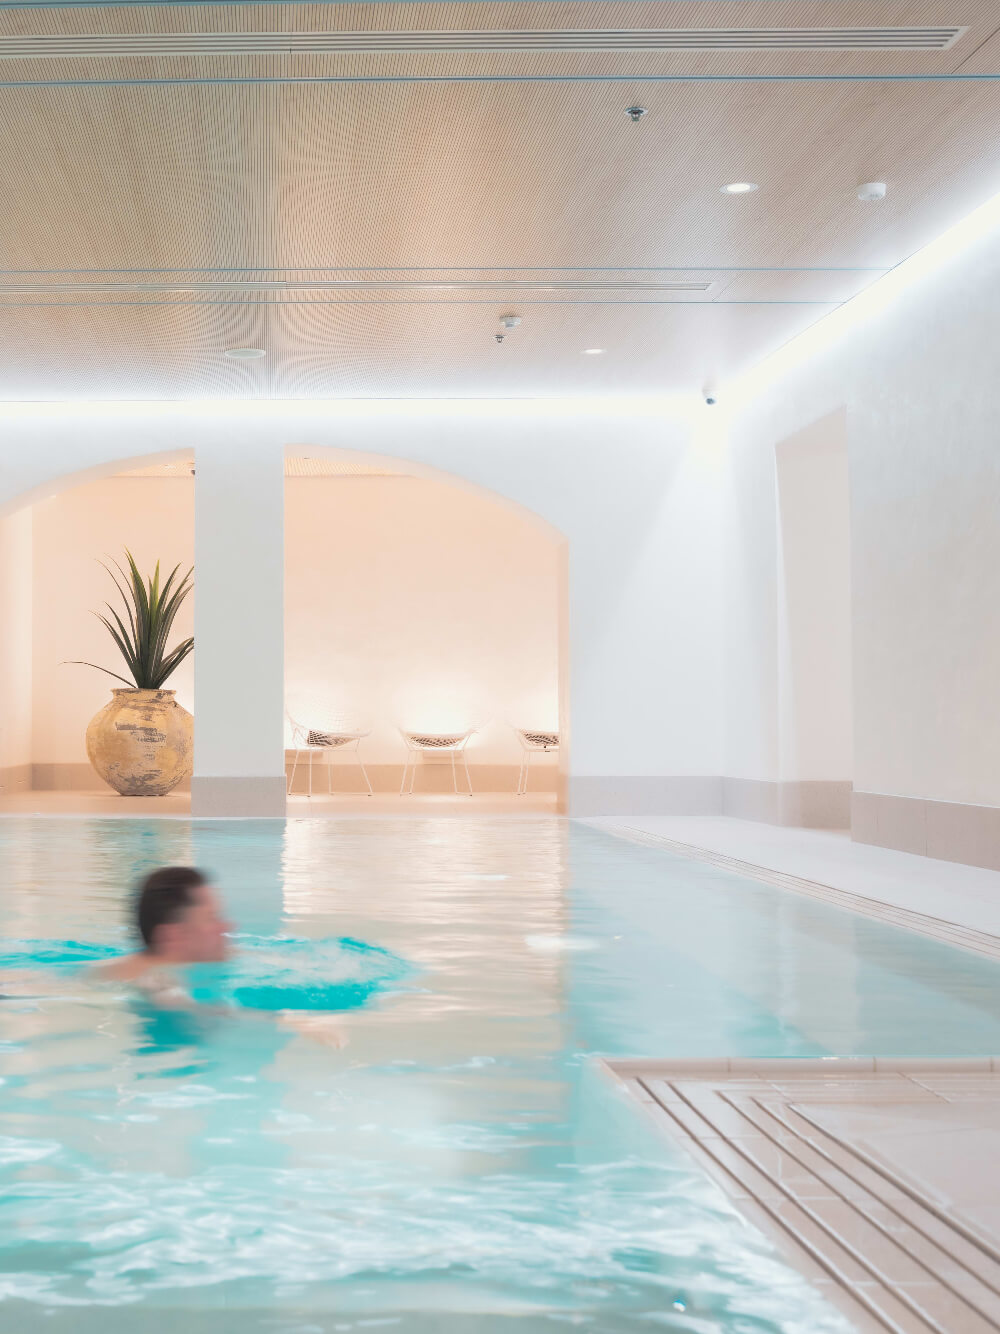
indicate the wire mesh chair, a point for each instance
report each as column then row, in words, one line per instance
column 533, row 743
column 435, row 743
column 310, row 741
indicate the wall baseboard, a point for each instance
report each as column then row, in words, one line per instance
column 946, row 830
column 345, row 777
column 640, row 795
column 431, row 777
column 15, row 778
column 240, row 798
column 808, row 804
column 76, row 777
column 812, row 805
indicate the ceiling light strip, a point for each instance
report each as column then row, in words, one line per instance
column 111, row 46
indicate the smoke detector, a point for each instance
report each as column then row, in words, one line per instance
column 872, row 190
column 507, row 322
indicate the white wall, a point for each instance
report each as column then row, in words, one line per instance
column 406, row 600
column 918, row 386
column 412, row 603
column 674, row 572
column 636, row 497
column 15, row 654
column 815, row 696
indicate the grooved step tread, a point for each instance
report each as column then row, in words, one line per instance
column 820, row 1155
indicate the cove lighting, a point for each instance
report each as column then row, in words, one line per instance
column 869, row 303
column 739, row 188
column 279, row 415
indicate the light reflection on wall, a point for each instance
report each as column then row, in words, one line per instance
column 414, row 603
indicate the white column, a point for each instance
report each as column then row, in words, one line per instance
column 239, row 760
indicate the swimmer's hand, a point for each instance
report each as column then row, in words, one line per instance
column 319, row 1027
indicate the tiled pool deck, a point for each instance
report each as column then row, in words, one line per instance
column 879, row 1179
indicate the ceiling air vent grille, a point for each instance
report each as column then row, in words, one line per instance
column 281, row 286
column 411, row 43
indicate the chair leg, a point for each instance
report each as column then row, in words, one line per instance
column 310, row 773
column 454, row 774
column 329, row 775
column 364, row 771
column 413, row 771
column 291, row 781
column 406, row 769
column 468, row 777
column 527, row 766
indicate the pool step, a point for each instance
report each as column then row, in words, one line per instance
column 879, row 1179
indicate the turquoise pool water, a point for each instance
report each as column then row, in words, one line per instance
column 459, row 1165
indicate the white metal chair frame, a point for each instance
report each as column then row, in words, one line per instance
column 533, row 743
column 428, row 743
column 306, row 741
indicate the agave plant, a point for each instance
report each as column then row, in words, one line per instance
column 150, row 609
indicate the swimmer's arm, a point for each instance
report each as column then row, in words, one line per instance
column 322, row 1028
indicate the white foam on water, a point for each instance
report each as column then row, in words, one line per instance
column 554, row 944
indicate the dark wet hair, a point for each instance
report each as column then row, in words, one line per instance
column 164, row 896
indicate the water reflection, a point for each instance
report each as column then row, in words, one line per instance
column 462, row 1156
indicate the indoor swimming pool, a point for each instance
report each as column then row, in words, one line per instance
column 402, row 1124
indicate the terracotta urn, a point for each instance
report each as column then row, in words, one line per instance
column 142, row 743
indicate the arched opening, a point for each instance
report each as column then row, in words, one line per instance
column 51, row 581
column 415, row 601
column 420, row 606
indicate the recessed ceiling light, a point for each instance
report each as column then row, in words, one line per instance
column 245, row 353
column 593, row 351
column 739, row 188
column 872, row 190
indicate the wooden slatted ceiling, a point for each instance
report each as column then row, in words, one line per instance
column 462, row 175
column 478, row 175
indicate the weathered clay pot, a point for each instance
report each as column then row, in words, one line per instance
column 142, row 743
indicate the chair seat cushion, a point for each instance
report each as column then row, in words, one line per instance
column 331, row 739
column 547, row 740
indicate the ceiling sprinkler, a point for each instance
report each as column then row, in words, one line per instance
column 636, row 113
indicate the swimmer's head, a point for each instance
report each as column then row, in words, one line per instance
column 180, row 916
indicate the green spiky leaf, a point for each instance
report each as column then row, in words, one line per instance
column 150, row 607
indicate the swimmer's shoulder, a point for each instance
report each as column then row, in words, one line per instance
column 151, row 980
column 128, row 968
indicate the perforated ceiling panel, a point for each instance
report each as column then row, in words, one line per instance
column 366, row 216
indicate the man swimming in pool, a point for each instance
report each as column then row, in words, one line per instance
column 180, row 920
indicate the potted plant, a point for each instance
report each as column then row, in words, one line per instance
column 142, row 742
